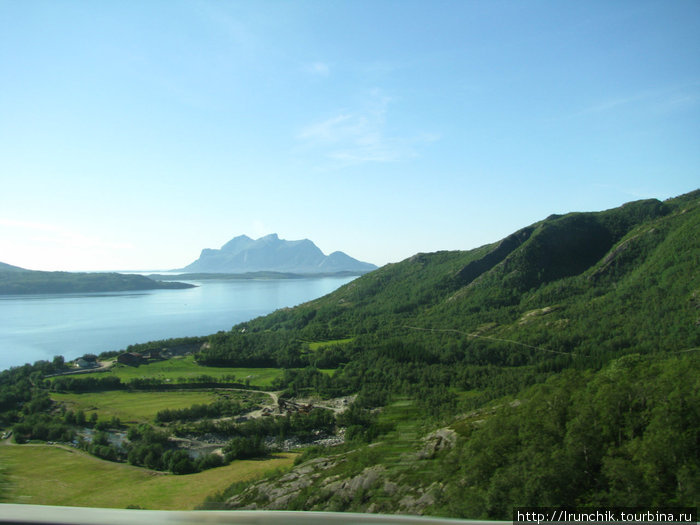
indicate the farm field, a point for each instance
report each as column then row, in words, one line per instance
column 53, row 475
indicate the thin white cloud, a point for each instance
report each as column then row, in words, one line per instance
column 611, row 104
column 654, row 101
column 331, row 130
column 360, row 136
column 238, row 32
column 321, row 69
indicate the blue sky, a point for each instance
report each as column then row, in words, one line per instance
column 133, row 134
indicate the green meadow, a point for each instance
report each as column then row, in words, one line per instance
column 53, row 475
column 132, row 407
column 140, row 406
column 317, row 345
column 171, row 370
column 185, row 367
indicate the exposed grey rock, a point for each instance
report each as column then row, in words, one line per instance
column 346, row 489
column 390, row 488
column 334, row 492
column 277, row 494
column 441, row 439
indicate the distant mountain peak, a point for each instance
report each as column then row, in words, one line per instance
column 236, row 244
column 270, row 253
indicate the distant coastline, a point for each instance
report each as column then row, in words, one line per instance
column 249, row 275
column 18, row 281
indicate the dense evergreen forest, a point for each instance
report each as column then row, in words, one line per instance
column 565, row 357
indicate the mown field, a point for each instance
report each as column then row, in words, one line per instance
column 134, row 407
column 52, row 475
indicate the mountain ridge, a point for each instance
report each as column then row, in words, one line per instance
column 243, row 254
column 561, row 260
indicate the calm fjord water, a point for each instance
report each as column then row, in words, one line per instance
column 34, row 327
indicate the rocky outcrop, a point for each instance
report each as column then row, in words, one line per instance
column 278, row 493
column 337, row 483
column 441, row 439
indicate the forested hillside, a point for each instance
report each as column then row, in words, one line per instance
column 555, row 305
column 571, row 291
column 623, row 436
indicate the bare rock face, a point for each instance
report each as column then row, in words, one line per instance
column 421, row 498
column 277, row 494
column 347, row 489
column 325, row 484
column 441, row 439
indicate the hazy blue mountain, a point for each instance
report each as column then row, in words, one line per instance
column 270, row 253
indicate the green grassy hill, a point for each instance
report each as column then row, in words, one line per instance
column 87, row 481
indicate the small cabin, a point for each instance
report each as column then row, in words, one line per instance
column 130, row 358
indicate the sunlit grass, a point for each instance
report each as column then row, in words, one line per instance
column 186, row 367
column 132, row 407
column 51, row 475
column 407, row 425
column 322, row 344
